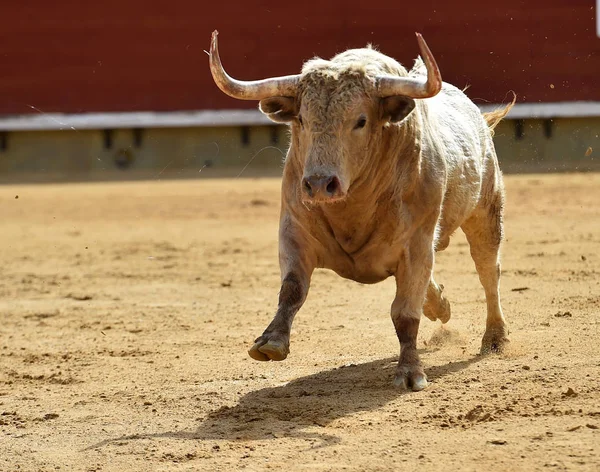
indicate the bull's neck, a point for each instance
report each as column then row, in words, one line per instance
column 353, row 222
column 373, row 198
column 356, row 217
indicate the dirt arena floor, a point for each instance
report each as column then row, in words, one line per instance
column 126, row 310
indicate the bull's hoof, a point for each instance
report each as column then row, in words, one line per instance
column 269, row 351
column 494, row 341
column 442, row 312
column 410, row 378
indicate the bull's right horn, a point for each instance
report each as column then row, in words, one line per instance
column 252, row 90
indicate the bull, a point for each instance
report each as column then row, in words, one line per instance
column 384, row 165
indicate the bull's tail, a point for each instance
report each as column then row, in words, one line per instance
column 492, row 118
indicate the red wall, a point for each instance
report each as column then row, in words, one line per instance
column 73, row 56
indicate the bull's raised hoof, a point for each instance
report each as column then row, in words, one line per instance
column 441, row 312
column 269, row 350
column 444, row 314
column 494, row 341
column 436, row 306
column 409, row 377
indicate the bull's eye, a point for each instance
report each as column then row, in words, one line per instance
column 362, row 121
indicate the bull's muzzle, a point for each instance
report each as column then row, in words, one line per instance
column 322, row 188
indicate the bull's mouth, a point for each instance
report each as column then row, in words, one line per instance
column 323, row 201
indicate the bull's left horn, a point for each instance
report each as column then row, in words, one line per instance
column 252, row 90
column 412, row 86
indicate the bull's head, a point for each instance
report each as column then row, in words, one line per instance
column 337, row 111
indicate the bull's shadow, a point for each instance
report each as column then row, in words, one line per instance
column 305, row 403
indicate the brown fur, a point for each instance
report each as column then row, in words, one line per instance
column 413, row 174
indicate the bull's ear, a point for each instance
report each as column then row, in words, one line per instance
column 279, row 109
column 394, row 109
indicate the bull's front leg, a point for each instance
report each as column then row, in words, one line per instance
column 296, row 271
column 412, row 279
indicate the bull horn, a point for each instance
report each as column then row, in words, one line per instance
column 412, row 86
column 252, row 90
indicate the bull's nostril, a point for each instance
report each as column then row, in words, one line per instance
column 332, row 186
column 319, row 187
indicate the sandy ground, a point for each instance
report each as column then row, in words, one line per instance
column 126, row 310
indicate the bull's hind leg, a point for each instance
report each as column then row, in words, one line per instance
column 436, row 306
column 484, row 233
